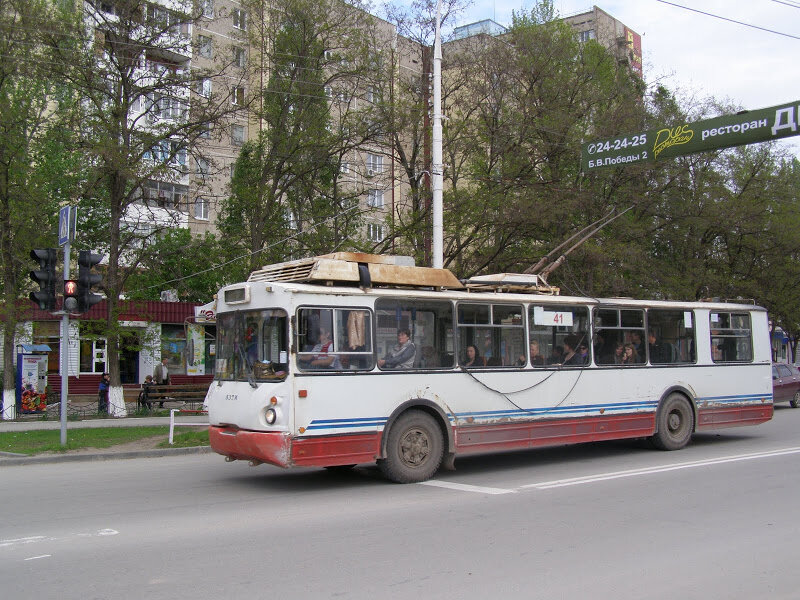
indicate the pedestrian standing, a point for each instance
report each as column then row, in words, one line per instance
column 161, row 376
column 102, row 394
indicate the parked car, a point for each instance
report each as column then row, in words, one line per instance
column 786, row 384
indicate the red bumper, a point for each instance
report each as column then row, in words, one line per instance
column 280, row 449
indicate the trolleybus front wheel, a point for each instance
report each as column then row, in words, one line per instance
column 414, row 448
column 675, row 423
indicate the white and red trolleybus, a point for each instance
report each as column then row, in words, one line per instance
column 353, row 358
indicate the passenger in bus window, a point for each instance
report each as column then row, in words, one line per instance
column 558, row 355
column 487, row 347
column 536, row 356
column 571, row 355
column 402, row 355
column 636, row 340
column 429, row 357
column 658, row 353
column 630, row 356
column 619, row 353
column 473, row 358
column 323, row 359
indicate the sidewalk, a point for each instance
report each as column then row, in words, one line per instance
column 92, row 454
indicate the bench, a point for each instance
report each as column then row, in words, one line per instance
column 186, row 393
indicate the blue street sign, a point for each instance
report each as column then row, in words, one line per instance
column 67, row 216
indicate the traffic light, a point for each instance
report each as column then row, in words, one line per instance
column 87, row 279
column 45, row 276
column 70, row 295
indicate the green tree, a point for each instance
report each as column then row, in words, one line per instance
column 144, row 112
column 38, row 164
column 512, row 143
column 179, row 261
column 291, row 194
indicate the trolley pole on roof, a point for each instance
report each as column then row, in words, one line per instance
column 436, row 166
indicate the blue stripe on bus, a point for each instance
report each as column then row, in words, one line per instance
column 521, row 412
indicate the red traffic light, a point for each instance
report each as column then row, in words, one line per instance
column 70, row 287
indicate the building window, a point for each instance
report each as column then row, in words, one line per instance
column 204, row 46
column 373, row 95
column 205, row 130
column 164, row 194
column 375, row 199
column 202, row 168
column 237, row 135
column 91, row 348
column 201, row 208
column 344, row 167
column 585, row 36
column 239, row 57
column 207, row 7
column 173, row 344
column 374, row 164
column 237, row 96
column 240, row 19
column 204, row 87
column 375, row 232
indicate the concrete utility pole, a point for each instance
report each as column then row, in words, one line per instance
column 436, row 166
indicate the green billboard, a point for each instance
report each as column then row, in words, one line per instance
column 746, row 127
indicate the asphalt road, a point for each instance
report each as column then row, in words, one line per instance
column 715, row 520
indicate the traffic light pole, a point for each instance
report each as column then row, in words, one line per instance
column 65, row 356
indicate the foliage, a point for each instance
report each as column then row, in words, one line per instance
column 39, row 164
column 290, row 192
column 130, row 68
column 179, row 261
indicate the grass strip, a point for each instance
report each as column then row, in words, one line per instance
column 38, row 441
column 187, row 439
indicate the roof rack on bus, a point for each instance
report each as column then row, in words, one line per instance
column 522, row 283
column 356, row 268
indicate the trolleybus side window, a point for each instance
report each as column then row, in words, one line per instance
column 252, row 345
column 562, row 333
column 619, row 337
column 496, row 331
column 671, row 336
column 731, row 337
column 430, row 323
column 334, row 339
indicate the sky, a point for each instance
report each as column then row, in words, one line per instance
column 696, row 54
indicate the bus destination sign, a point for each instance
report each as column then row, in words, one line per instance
column 747, row 127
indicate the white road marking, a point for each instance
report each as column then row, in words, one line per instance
column 557, row 483
column 38, row 557
column 546, row 485
column 20, row 541
column 40, row 538
column 463, row 487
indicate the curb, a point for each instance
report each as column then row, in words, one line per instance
column 6, row 461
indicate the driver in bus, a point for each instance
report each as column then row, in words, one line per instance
column 402, row 355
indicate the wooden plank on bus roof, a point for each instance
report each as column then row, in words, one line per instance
column 413, row 276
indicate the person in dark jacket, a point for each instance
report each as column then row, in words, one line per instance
column 102, row 394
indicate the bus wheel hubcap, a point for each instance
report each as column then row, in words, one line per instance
column 674, row 421
column 414, row 447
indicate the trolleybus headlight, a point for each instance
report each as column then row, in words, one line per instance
column 270, row 415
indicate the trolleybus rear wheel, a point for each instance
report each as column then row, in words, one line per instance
column 414, row 448
column 675, row 423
